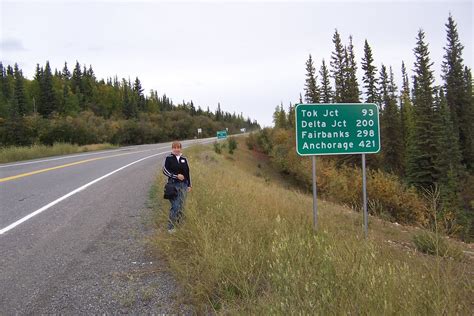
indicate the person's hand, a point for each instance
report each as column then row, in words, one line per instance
column 180, row 177
column 189, row 189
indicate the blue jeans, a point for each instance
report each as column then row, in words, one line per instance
column 176, row 210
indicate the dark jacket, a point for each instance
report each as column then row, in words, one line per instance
column 172, row 168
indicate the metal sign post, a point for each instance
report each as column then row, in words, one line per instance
column 315, row 200
column 364, row 196
column 337, row 129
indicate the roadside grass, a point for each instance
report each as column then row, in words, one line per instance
column 248, row 246
column 15, row 153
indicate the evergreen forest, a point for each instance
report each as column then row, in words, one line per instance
column 75, row 107
column 427, row 130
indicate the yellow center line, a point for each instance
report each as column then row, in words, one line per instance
column 63, row 166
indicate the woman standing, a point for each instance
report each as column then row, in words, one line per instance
column 176, row 168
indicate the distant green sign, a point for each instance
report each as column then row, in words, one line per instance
column 336, row 129
column 221, row 134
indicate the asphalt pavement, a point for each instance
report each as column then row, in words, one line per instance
column 72, row 232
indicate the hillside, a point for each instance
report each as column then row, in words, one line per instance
column 247, row 246
column 79, row 108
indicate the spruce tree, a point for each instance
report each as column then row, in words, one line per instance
column 291, row 116
column 467, row 122
column 326, row 90
column 192, row 108
column 448, row 160
column 8, row 83
column 66, row 74
column 47, row 100
column 4, row 89
column 450, row 171
column 453, row 75
column 128, row 107
column 390, row 122
column 338, row 68
column 351, row 85
column 311, row 87
column 19, row 97
column 138, row 90
column 76, row 79
column 421, row 162
column 88, row 82
column 219, row 113
column 369, row 79
column 4, row 92
column 10, row 71
column 382, row 91
column 407, row 124
column 15, row 131
column 452, row 67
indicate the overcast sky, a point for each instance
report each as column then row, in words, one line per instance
column 249, row 56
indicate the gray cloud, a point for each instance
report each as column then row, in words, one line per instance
column 12, row 45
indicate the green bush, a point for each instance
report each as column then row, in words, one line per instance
column 434, row 244
column 217, row 148
column 232, row 144
column 343, row 183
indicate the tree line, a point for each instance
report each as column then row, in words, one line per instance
column 427, row 130
column 61, row 105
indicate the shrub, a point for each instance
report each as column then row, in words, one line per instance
column 232, row 144
column 434, row 244
column 343, row 183
column 217, row 148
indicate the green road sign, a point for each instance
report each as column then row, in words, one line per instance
column 336, row 129
column 221, row 134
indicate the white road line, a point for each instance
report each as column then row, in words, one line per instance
column 74, row 156
column 205, row 140
column 44, row 208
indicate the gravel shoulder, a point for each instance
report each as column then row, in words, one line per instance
column 116, row 275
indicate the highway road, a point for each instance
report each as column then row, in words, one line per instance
column 67, row 223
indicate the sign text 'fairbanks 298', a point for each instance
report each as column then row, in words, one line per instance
column 335, row 129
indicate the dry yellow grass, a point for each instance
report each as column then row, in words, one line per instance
column 247, row 246
column 14, row 153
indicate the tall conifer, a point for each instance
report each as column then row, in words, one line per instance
column 338, row 68
column 406, row 119
column 19, row 97
column 421, row 163
column 66, row 74
column 468, row 121
column 448, row 160
column 4, row 89
column 390, row 122
column 453, row 75
column 326, row 90
column 76, row 79
column 369, row 79
column 47, row 103
column 291, row 116
column 311, row 87
column 352, row 92
column 138, row 90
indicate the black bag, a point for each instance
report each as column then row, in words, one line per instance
column 170, row 191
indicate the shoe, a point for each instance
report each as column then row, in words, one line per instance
column 171, row 231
